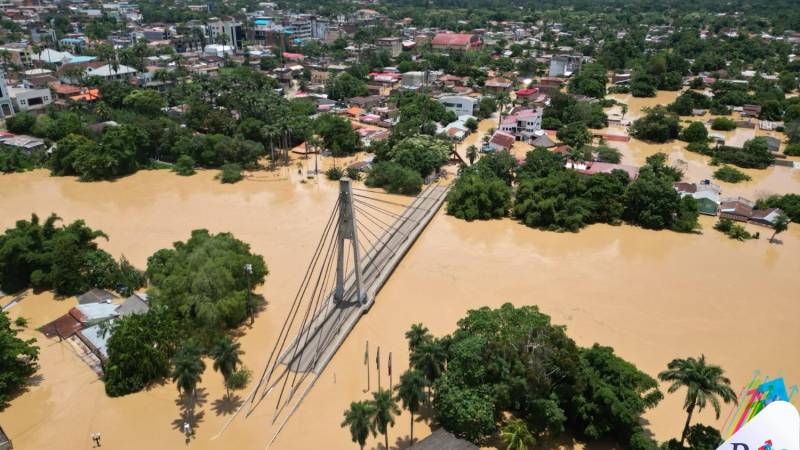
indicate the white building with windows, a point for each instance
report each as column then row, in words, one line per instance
column 25, row 99
column 108, row 72
column 462, row 105
column 523, row 124
column 6, row 105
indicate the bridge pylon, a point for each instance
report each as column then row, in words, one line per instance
column 348, row 231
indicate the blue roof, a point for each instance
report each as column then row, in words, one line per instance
column 82, row 59
column 263, row 21
column 94, row 335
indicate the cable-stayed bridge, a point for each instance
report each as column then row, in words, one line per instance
column 365, row 238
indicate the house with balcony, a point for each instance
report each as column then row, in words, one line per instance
column 523, row 124
column 461, row 105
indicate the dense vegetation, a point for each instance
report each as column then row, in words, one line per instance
column 552, row 197
column 483, row 191
column 658, row 125
column 789, row 204
column 17, row 360
column 754, row 154
column 731, row 175
column 514, row 361
column 400, row 168
column 198, row 290
column 64, row 258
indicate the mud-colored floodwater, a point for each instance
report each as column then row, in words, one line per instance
column 651, row 295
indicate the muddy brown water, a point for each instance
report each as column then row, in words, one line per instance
column 653, row 296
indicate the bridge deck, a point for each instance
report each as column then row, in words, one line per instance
column 313, row 347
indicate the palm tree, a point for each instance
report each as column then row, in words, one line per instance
column 269, row 133
column 472, row 154
column 502, row 101
column 384, row 412
column 358, row 419
column 226, row 358
column 418, row 334
column 188, row 371
column 704, row 383
column 516, row 435
column 411, row 392
column 781, row 224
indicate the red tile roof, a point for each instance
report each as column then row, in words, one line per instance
column 503, row 139
column 452, row 39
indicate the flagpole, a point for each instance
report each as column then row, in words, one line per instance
column 366, row 363
column 378, row 365
column 390, row 371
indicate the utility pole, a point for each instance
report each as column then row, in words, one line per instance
column 248, row 270
column 347, row 231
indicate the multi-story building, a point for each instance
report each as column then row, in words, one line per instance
column 25, row 99
column 523, row 124
column 6, row 106
column 462, row 105
column 565, row 65
column 393, row 45
column 226, row 31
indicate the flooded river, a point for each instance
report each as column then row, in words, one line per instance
column 651, row 295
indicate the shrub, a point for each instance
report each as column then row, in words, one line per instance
column 792, row 150
column 395, row 178
column 723, row 124
column 700, row 147
column 184, row 166
column 21, row 322
column 733, row 230
column 731, row 175
column 353, row 173
column 334, row 173
column 608, row 154
column 695, row 132
column 238, row 380
column 231, row 173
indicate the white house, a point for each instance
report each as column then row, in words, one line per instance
column 523, row 124
column 6, row 106
column 25, row 99
column 107, row 71
column 462, row 105
column 564, row 65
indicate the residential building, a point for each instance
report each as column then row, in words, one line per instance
column 739, row 209
column 524, row 124
column 565, row 65
column 462, row 105
column 6, row 105
column 455, row 42
column 108, row 72
column 498, row 84
column 443, row 440
column 501, row 140
column 413, row 80
column 226, row 31
column 392, row 45
column 23, row 142
column 25, row 99
column 17, row 53
column 705, row 193
column 595, row 167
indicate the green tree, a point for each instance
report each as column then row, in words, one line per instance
column 658, row 125
column 780, row 225
column 344, row 86
column 18, row 359
column 478, row 195
column 472, row 154
column 184, row 166
column 695, row 132
column 704, row 383
column 188, row 372
column 226, row 357
column 144, row 101
column 417, row 335
column 395, row 178
column 204, row 282
column 411, row 392
column 139, row 351
column 384, row 410
column 429, row 358
column 515, row 435
column 358, row 418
